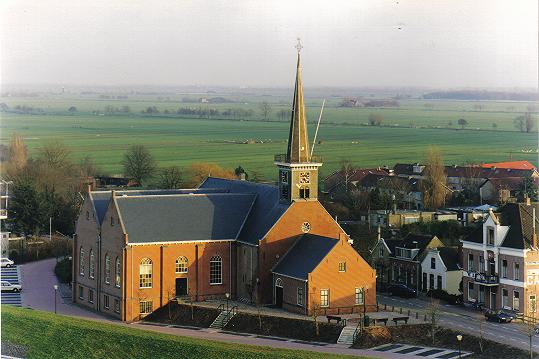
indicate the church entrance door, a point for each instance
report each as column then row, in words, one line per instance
column 181, row 287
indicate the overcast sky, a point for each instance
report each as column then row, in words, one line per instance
column 435, row 43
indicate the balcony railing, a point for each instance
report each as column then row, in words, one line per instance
column 486, row 278
column 282, row 157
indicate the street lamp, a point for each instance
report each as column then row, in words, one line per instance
column 55, row 291
column 459, row 339
column 227, row 295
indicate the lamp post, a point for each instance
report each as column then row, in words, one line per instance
column 227, row 295
column 459, row 339
column 55, row 291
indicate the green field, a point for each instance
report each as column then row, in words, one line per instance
column 47, row 335
column 407, row 132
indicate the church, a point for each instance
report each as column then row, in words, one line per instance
column 135, row 250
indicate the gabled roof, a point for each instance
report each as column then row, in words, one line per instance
column 476, row 235
column 419, row 241
column 304, row 256
column 519, row 217
column 354, row 175
column 510, row 183
column 515, row 165
column 101, row 203
column 266, row 209
column 450, row 257
column 184, row 217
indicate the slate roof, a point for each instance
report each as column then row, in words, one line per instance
column 101, row 199
column 519, row 217
column 337, row 178
column 476, row 235
column 184, row 217
column 419, row 241
column 450, row 256
column 266, row 210
column 374, row 180
column 304, row 256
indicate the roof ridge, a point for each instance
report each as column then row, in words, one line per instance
column 189, row 195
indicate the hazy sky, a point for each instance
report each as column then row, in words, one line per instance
column 437, row 43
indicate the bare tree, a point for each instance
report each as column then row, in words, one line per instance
column 347, row 170
column 482, row 325
column 462, row 122
column 55, row 155
column 283, row 114
column 170, row 178
column 524, row 123
column 265, row 110
column 87, row 167
column 315, row 310
column 433, row 186
column 138, row 163
column 18, row 154
column 433, row 311
column 529, row 329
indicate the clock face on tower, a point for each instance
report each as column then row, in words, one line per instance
column 304, row 178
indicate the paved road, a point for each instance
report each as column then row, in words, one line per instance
column 11, row 275
column 468, row 321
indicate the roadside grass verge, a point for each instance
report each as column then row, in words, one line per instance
column 47, row 335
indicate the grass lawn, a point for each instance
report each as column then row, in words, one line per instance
column 47, row 335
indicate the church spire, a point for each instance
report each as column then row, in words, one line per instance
column 298, row 139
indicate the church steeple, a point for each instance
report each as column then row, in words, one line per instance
column 298, row 170
column 298, row 139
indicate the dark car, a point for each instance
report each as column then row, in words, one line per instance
column 509, row 313
column 401, row 290
column 498, row 316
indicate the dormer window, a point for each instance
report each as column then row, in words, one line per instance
column 490, row 236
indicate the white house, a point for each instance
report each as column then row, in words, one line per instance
column 441, row 270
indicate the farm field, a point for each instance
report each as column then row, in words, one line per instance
column 48, row 335
column 406, row 133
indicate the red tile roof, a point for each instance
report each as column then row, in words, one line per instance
column 514, row 165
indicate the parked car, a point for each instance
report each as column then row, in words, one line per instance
column 401, row 290
column 6, row 263
column 510, row 313
column 9, row 287
column 498, row 316
column 536, row 330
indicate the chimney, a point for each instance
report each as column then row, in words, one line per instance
column 241, row 176
column 379, row 232
column 534, row 234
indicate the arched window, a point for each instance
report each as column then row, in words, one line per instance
column 107, row 269
column 146, row 273
column 92, row 264
column 81, row 261
column 118, row 273
column 216, row 272
column 279, row 283
column 181, row 264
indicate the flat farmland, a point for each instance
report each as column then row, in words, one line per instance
column 407, row 132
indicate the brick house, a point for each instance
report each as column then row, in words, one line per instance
column 136, row 250
column 406, row 259
column 501, row 260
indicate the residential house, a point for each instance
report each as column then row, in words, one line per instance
column 501, row 260
column 441, row 270
column 407, row 257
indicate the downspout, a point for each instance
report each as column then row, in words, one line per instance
column 196, row 272
column 98, row 282
column 73, row 271
column 161, row 277
column 230, row 268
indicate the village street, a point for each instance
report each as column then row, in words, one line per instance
column 468, row 321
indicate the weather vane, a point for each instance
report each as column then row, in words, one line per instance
column 298, row 46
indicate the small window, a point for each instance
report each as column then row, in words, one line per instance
column 81, row 292
column 146, row 307
column 111, row 221
column 216, row 276
column 116, row 305
column 304, row 192
column 324, row 297
column 81, row 261
column 145, row 276
column 439, row 282
column 360, row 298
column 181, row 265
column 481, row 264
column 87, row 215
column 470, row 262
column 342, row 266
column 118, row 277
column 91, row 272
column 516, row 271
column 490, row 236
column 470, row 291
column 90, row 295
column 300, row 296
column 107, row 269
column 516, row 300
column 504, row 268
column 433, row 263
column 106, row 303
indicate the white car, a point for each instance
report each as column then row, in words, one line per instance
column 8, row 287
column 6, row 263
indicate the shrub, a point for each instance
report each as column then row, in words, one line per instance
column 63, row 270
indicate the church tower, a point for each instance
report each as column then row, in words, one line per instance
column 298, row 170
